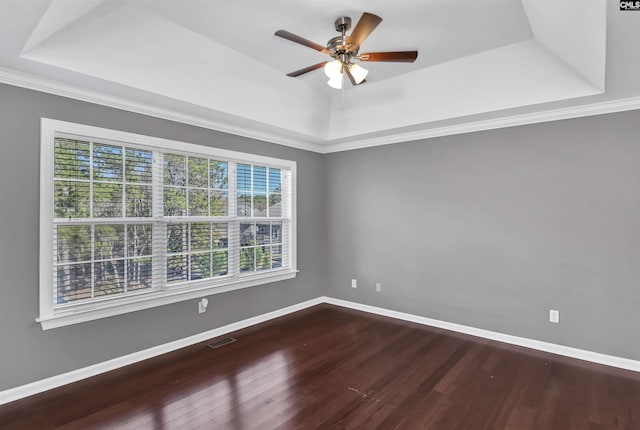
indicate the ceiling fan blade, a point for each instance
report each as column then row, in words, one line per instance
column 307, row 69
column 301, row 40
column 368, row 22
column 349, row 75
column 397, row 57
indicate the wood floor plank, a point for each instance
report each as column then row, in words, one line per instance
column 331, row 368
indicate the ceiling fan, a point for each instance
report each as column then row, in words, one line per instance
column 343, row 49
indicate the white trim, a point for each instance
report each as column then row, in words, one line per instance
column 45, row 262
column 599, row 108
column 51, row 317
column 37, row 83
column 580, row 354
column 150, row 300
column 320, row 145
column 42, row 385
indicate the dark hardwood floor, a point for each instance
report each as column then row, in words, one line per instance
column 331, row 368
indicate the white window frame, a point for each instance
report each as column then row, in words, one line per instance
column 50, row 317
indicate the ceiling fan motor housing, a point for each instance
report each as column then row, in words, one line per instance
column 343, row 24
column 339, row 47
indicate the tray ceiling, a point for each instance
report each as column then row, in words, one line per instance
column 220, row 63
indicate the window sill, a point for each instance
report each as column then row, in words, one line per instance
column 96, row 311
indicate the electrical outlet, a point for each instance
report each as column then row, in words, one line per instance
column 378, row 287
column 554, row 316
column 202, row 305
column 354, row 283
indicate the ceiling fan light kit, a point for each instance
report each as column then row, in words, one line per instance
column 343, row 49
column 359, row 73
column 335, row 82
column 333, row 70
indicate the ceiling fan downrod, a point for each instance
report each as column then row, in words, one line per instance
column 339, row 47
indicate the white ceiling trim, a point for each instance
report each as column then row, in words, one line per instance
column 621, row 105
column 24, row 80
column 32, row 82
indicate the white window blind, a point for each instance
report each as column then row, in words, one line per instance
column 132, row 222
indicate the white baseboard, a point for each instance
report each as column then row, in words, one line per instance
column 40, row 386
column 86, row 372
column 580, row 354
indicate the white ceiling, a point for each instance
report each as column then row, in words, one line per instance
column 218, row 64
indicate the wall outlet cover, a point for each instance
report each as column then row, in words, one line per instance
column 202, row 306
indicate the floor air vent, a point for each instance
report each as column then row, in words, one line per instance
column 221, row 342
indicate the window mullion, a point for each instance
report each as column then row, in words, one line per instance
column 286, row 196
column 209, row 186
column 93, row 258
column 187, row 191
column 187, row 255
column 233, row 252
column 91, row 179
column 124, row 180
column 125, row 263
column 159, row 230
column 125, row 230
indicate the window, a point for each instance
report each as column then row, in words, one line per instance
column 130, row 222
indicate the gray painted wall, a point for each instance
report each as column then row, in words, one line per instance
column 26, row 352
column 488, row 229
column 493, row 229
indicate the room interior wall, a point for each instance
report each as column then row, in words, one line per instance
column 27, row 352
column 493, row 229
column 490, row 229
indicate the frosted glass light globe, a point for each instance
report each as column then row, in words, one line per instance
column 333, row 69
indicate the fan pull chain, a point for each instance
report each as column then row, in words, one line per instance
column 343, row 91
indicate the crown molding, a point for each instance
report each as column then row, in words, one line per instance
column 24, row 80
column 37, row 83
column 599, row 108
